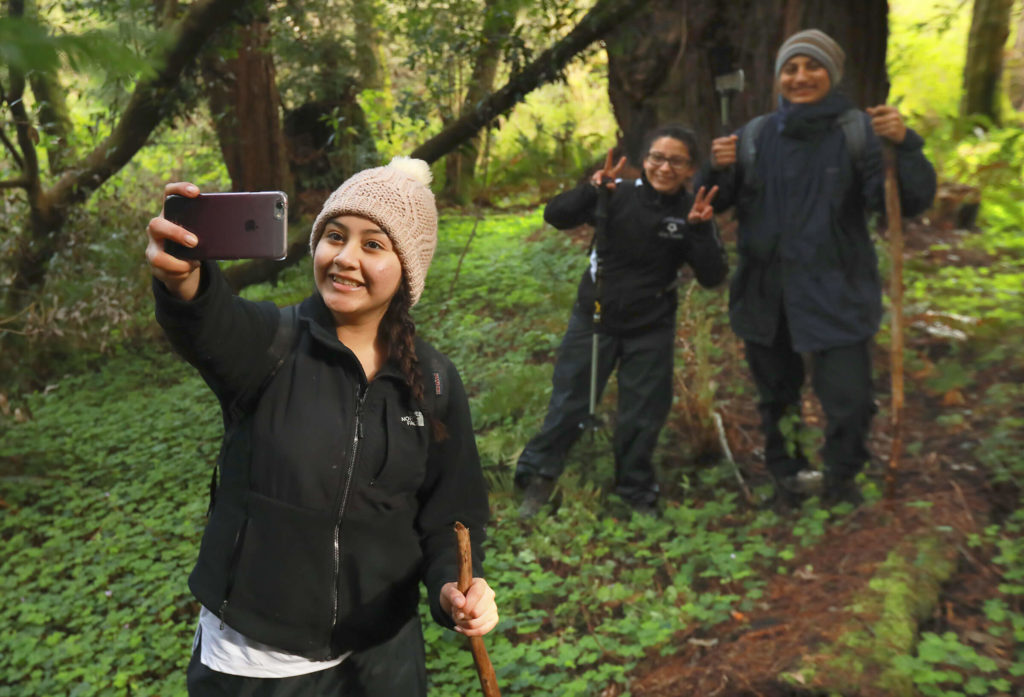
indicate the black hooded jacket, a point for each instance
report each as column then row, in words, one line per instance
column 803, row 234
column 334, row 500
column 646, row 240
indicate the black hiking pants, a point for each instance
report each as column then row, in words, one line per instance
column 644, row 363
column 841, row 378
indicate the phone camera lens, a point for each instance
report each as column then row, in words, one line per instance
column 279, row 210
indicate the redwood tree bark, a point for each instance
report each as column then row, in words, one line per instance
column 662, row 63
column 245, row 105
column 990, row 27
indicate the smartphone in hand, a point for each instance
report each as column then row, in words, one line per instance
column 238, row 225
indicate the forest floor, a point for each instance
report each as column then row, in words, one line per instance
column 802, row 638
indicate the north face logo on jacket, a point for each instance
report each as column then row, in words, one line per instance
column 415, row 419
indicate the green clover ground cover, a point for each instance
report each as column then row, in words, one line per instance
column 103, row 495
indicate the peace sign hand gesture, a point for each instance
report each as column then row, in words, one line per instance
column 607, row 175
column 702, row 211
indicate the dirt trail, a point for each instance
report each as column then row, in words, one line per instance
column 790, row 643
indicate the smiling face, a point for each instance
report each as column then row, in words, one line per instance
column 356, row 270
column 804, row 80
column 668, row 165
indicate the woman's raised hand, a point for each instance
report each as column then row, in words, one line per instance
column 607, row 175
column 702, row 211
column 180, row 276
column 476, row 612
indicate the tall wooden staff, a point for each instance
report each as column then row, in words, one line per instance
column 488, row 681
column 895, row 224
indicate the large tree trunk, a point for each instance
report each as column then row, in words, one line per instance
column 245, row 106
column 460, row 164
column 153, row 99
column 605, row 15
column 990, row 27
column 1015, row 67
column 662, row 63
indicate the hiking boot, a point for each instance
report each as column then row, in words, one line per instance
column 789, row 494
column 536, row 494
column 841, row 490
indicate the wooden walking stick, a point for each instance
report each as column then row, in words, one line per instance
column 488, row 682
column 895, row 225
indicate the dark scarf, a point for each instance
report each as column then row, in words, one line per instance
column 791, row 162
column 807, row 121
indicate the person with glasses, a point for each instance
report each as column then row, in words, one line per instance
column 807, row 286
column 653, row 226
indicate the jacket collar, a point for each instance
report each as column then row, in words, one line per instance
column 314, row 311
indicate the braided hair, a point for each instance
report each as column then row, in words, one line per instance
column 398, row 330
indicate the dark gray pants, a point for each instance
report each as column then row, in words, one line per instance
column 841, row 378
column 645, row 395
column 396, row 667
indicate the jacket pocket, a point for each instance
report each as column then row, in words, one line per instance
column 285, row 571
column 404, row 467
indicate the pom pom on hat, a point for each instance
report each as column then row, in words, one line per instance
column 398, row 199
column 416, row 169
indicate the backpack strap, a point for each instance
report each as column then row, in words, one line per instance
column 279, row 349
column 747, row 146
column 856, row 132
column 436, row 389
column 281, row 345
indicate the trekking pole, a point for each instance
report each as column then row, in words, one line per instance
column 484, row 669
column 895, row 225
column 600, row 224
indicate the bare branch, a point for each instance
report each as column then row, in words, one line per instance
column 151, row 102
column 602, row 17
column 20, row 183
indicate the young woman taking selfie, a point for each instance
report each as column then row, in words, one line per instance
column 348, row 454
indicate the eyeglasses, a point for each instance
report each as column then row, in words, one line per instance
column 677, row 163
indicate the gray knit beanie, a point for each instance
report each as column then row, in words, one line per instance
column 817, row 45
column 398, row 199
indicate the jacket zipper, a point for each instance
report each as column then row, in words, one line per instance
column 357, row 435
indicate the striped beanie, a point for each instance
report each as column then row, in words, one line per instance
column 817, row 45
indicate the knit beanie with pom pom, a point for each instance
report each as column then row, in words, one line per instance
column 398, row 199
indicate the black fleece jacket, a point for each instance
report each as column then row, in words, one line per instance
column 646, row 240
column 334, row 501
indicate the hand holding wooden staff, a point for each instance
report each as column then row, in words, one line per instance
column 888, row 124
column 472, row 605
